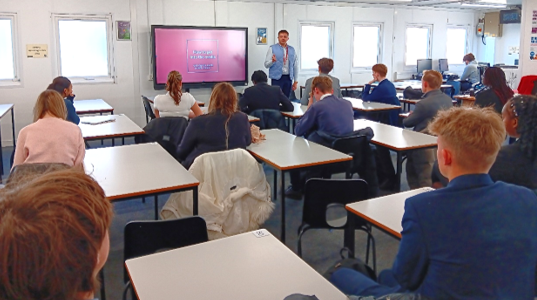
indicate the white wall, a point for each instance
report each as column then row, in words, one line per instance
column 132, row 58
column 510, row 37
column 527, row 66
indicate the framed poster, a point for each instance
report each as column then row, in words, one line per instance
column 261, row 38
column 123, row 30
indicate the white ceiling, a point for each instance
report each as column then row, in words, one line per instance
column 449, row 4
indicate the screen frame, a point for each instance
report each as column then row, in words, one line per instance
column 440, row 64
column 205, row 84
column 503, row 13
column 430, row 62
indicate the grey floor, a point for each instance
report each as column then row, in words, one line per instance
column 320, row 247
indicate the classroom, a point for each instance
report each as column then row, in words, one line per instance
column 113, row 66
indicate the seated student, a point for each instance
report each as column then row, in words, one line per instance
column 497, row 92
column 263, row 96
column 63, row 86
column 50, row 139
column 516, row 163
column 420, row 162
column 325, row 66
column 474, row 239
column 54, row 236
column 471, row 74
column 324, row 120
column 222, row 128
column 384, row 92
column 175, row 103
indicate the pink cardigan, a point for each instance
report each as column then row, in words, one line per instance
column 50, row 140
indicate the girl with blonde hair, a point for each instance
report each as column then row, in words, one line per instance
column 223, row 128
column 175, row 103
column 50, row 139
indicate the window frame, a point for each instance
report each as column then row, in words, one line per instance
column 111, row 78
column 429, row 46
column 331, row 26
column 16, row 81
column 380, row 53
column 466, row 44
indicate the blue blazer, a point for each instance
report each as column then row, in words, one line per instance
column 72, row 116
column 384, row 92
column 474, row 239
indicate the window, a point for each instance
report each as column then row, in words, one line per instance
column 84, row 47
column 8, row 53
column 316, row 42
column 418, row 43
column 366, row 46
column 456, row 45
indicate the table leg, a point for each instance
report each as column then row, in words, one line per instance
column 348, row 240
column 1, row 156
column 275, row 186
column 399, row 170
column 283, row 207
column 113, row 142
column 195, row 200
column 13, row 130
column 122, row 140
column 156, row 207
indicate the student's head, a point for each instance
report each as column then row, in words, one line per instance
column 468, row 139
column 321, row 85
column 520, row 119
column 50, row 102
column 223, row 99
column 494, row 77
column 259, row 76
column 431, row 80
column 379, row 71
column 174, row 86
column 61, row 85
column 53, row 236
column 325, row 65
column 468, row 58
column 283, row 37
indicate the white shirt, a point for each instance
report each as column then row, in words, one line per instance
column 167, row 108
column 285, row 67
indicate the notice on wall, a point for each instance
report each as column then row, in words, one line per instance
column 534, row 23
column 37, row 51
column 533, row 37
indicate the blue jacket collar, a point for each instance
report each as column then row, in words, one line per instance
column 470, row 181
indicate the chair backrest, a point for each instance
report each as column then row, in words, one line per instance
column 320, row 193
column 147, row 237
column 149, row 114
column 527, row 84
column 352, row 146
column 167, row 131
column 534, row 90
column 269, row 119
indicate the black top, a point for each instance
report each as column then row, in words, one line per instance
column 207, row 133
column 487, row 97
column 264, row 96
column 514, row 167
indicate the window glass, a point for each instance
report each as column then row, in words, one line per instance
column 417, row 44
column 366, row 46
column 315, row 43
column 7, row 61
column 456, row 45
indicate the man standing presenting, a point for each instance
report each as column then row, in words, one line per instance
column 282, row 62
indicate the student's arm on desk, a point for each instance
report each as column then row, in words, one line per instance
column 306, row 123
column 411, row 262
column 415, row 117
column 286, row 104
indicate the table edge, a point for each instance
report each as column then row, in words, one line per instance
column 374, row 222
column 151, row 192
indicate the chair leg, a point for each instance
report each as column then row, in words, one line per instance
column 101, row 278
column 374, row 250
column 301, row 231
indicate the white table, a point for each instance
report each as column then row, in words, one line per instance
column 243, row 266
column 298, row 111
column 95, row 106
column 251, row 119
column 342, row 86
column 132, row 171
column 4, row 108
column 122, row 127
column 397, row 139
column 369, row 107
column 284, row 151
column 385, row 212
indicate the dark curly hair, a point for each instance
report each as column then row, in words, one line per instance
column 525, row 108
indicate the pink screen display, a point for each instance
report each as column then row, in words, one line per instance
column 200, row 55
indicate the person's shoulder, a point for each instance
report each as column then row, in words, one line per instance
column 239, row 115
column 520, row 193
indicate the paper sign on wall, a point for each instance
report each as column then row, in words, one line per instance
column 37, row 51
